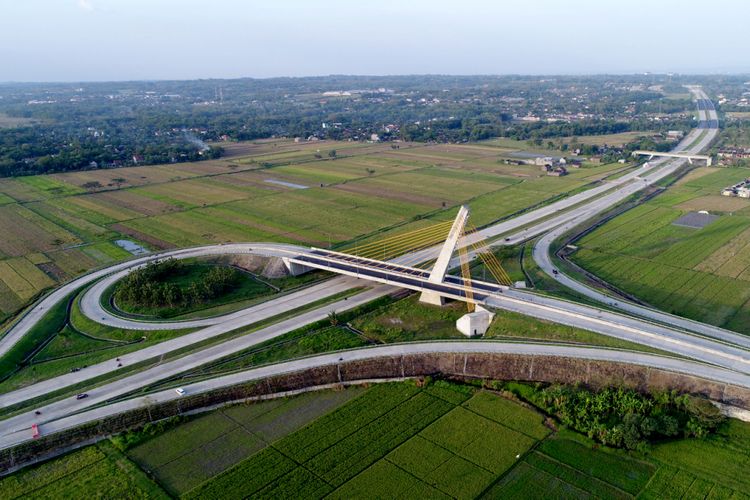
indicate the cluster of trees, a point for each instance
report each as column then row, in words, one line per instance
column 161, row 122
column 148, row 287
column 627, row 419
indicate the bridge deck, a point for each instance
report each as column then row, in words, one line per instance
column 395, row 274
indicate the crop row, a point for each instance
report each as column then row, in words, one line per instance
column 627, row 474
column 31, row 479
column 385, row 480
column 330, row 429
column 572, row 476
column 245, row 478
column 371, row 442
column 299, row 483
column 525, row 481
column 479, row 440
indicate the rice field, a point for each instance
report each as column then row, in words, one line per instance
column 69, row 221
column 440, row 440
column 703, row 274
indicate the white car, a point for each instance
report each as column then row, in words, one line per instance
column 180, row 391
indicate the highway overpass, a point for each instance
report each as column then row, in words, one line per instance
column 688, row 156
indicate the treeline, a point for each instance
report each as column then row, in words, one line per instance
column 145, row 287
column 627, row 419
column 104, row 125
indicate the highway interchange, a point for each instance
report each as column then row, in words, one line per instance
column 716, row 353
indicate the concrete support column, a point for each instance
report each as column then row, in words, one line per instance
column 444, row 258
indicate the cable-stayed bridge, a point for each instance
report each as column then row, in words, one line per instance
column 397, row 261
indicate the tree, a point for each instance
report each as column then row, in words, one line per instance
column 333, row 318
column 332, row 153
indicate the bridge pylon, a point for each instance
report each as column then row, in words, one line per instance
column 443, row 261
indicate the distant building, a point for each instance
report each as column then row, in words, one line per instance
column 574, row 163
column 544, row 160
column 675, row 134
column 740, row 190
column 558, row 171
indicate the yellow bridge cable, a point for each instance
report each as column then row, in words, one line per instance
column 466, row 274
column 495, row 268
column 399, row 237
column 408, row 233
column 394, row 246
column 388, row 253
column 490, row 261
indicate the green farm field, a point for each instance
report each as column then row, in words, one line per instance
column 438, row 440
column 703, row 274
column 59, row 226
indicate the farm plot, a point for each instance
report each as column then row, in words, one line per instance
column 84, row 229
column 500, row 167
column 282, row 217
column 719, row 460
column 567, row 466
column 73, row 261
column 30, row 232
column 192, row 453
column 248, row 148
column 102, row 180
column 99, row 471
column 628, row 475
column 502, row 203
column 49, row 186
column 439, row 185
column 552, row 185
column 339, row 216
column 542, row 476
column 394, row 440
column 93, row 210
column 718, row 179
column 691, row 249
column 132, row 201
column 5, row 199
column 192, row 193
column 23, row 278
column 509, row 414
column 19, row 191
column 342, row 170
column 299, row 154
column 731, row 259
column 715, row 203
column 196, row 227
column 324, row 172
column 471, row 437
column 441, row 153
column 698, row 273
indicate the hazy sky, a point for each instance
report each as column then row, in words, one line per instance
column 80, row 40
